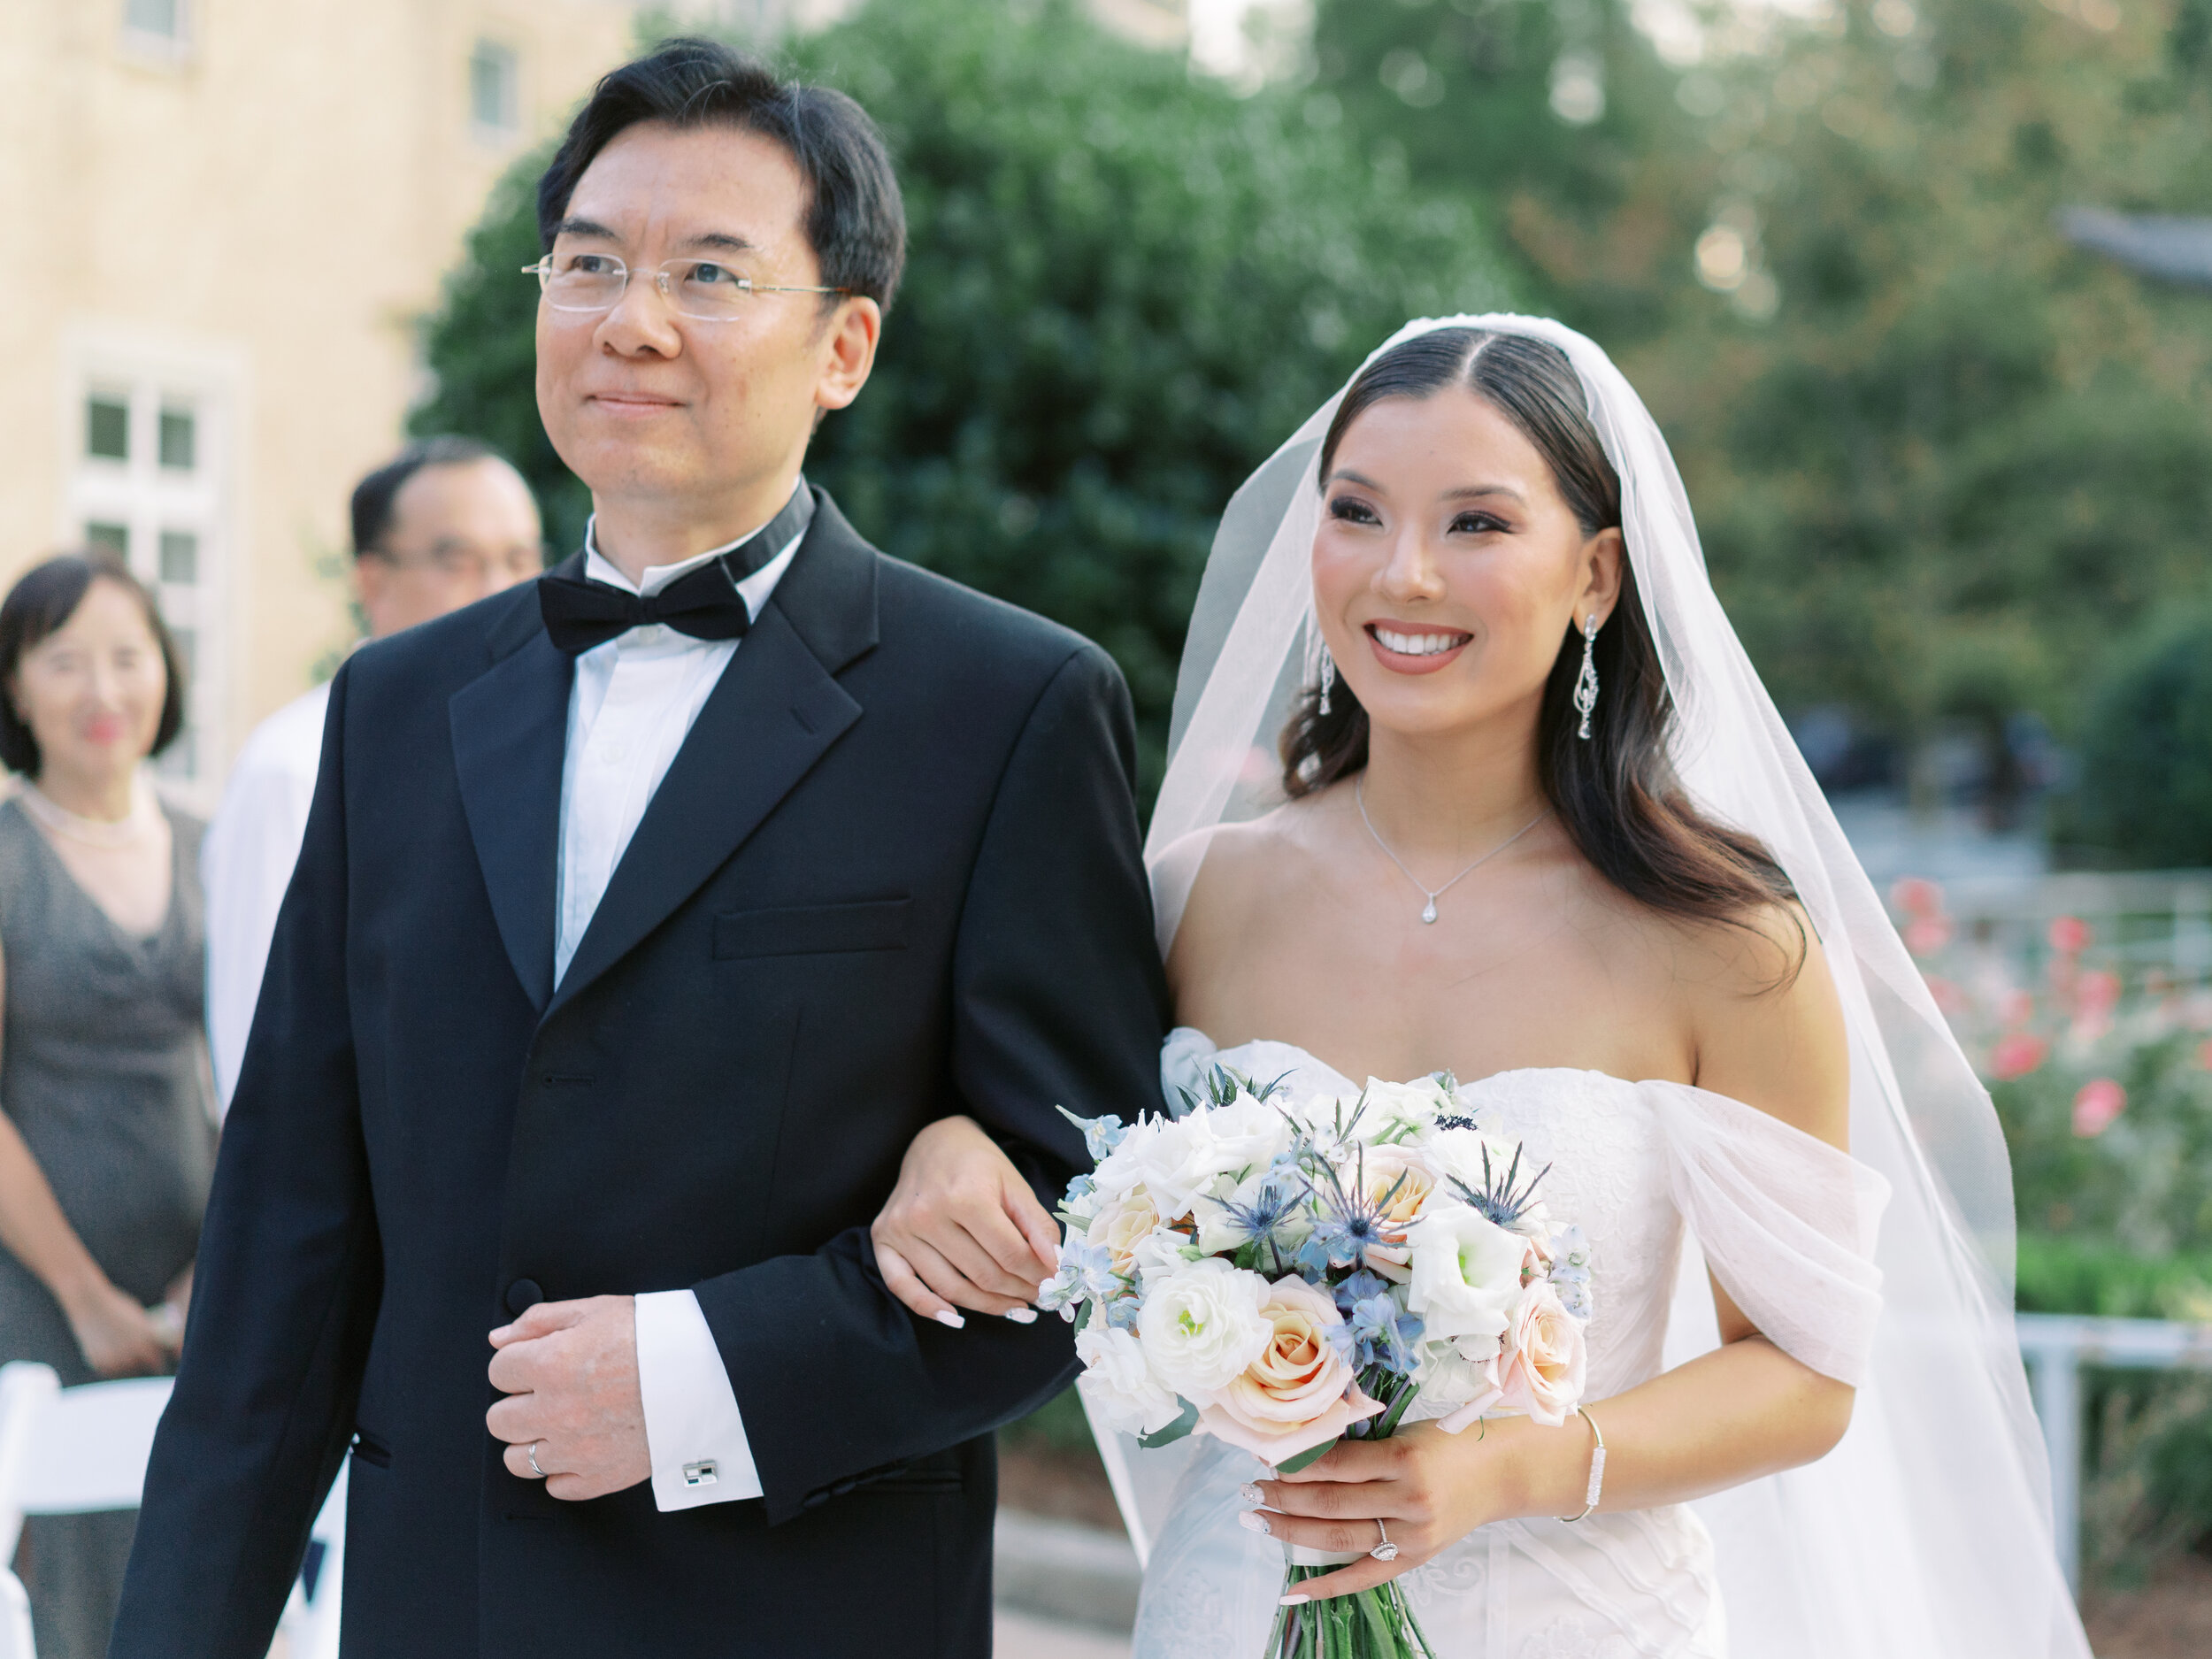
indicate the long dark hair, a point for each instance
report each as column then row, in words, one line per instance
column 41, row 602
column 1617, row 794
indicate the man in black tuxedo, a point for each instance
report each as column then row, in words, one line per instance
column 645, row 915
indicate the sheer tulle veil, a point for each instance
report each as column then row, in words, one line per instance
column 1927, row 1530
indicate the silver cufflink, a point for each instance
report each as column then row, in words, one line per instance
column 699, row 1474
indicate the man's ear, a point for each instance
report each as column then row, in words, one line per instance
column 848, row 351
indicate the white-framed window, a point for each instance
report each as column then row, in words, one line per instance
column 160, row 29
column 148, row 465
column 494, row 93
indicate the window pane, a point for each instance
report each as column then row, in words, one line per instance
column 164, row 18
column 180, row 558
column 107, row 428
column 179, row 436
column 492, row 102
column 113, row 537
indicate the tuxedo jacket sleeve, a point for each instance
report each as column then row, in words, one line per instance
column 835, row 1379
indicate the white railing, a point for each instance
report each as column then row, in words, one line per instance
column 2057, row 1346
column 2141, row 920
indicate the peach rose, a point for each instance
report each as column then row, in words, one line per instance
column 1299, row 1393
column 1543, row 1362
column 1122, row 1225
column 1389, row 1167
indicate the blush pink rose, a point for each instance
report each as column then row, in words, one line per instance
column 2016, row 1054
column 1541, row 1372
column 1385, row 1169
column 1300, row 1393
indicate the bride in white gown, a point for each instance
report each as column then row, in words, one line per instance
column 1534, row 822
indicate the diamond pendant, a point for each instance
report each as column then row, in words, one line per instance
column 1429, row 915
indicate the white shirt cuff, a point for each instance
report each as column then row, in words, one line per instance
column 692, row 1430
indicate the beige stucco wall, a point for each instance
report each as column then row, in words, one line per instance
column 265, row 218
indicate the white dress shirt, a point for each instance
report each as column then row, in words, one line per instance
column 246, row 861
column 632, row 704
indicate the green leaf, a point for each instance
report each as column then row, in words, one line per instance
column 1174, row 1431
column 1312, row 1455
column 1083, row 1316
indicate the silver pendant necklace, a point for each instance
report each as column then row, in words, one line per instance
column 1428, row 914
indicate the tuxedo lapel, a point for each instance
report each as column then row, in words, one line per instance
column 510, row 728
column 775, row 710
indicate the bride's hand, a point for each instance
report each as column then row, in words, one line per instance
column 1428, row 1488
column 963, row 1230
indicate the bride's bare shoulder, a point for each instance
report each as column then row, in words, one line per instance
column 1256, row 860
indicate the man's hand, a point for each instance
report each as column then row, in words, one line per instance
column 569, row 1371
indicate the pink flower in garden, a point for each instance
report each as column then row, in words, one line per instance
column 2204, row 1054
column 2069, row 935
column 2016, row 1054
column 2099, row 1103
column 1917, row 896
column 2098, row 991
column 2016, row 1007
column 1925, row 935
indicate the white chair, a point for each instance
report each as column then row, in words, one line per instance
column 65, row 1451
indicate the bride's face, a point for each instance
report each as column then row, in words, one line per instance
column 1448, row 568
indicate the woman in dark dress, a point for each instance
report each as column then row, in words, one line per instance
column 106, row 1140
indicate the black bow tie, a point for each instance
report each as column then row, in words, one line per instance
column 704, row 603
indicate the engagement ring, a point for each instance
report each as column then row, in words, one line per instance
column 1386, row 1550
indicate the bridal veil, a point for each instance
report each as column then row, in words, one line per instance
column 1927, row 1530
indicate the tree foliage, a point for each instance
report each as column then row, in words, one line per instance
column 1939, row 454
column 1126, row 287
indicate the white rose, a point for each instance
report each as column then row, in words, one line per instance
column 1203, row 1325
column 1119, row 1171
column 1159, row 1256
column 1190, row 1156
column 1119, row 1384
column 1466, row 1273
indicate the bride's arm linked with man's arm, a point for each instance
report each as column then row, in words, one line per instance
column 1770, row 1036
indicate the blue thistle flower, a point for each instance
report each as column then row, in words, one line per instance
column 1351, row 1223
column 1504, row 1199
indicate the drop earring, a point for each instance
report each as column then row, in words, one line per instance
column 1328, row 678
column 1586, row 681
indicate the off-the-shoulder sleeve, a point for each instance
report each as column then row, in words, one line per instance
column 1786, row 1223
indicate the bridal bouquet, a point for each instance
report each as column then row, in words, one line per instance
column 1284, row 1274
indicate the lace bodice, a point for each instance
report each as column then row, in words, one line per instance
column 1786, row 1223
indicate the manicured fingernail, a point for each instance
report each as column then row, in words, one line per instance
column 1022, row 1315
column 1251, row 1494
column 950, row 1320
column 1255, row 1523
column 1294, row 1601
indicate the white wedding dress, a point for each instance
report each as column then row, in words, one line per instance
column 1926, row 1532
column 1785, row 1214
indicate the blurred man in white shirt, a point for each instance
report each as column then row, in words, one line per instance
column 444, row 523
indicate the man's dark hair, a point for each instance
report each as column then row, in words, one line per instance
column 373, row 496
column 854, row 219
column 42, row 601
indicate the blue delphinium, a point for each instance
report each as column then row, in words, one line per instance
column 1377, row 1331
column 1087, row 1270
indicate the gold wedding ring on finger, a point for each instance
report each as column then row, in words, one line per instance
column 1386, row 1550
column 540, row 1473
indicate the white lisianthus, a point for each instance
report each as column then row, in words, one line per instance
column 1119, row 1383
column 1466, row 1273
column 1396, row 1109
column 1203, row 1326
column 1449, row 1378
